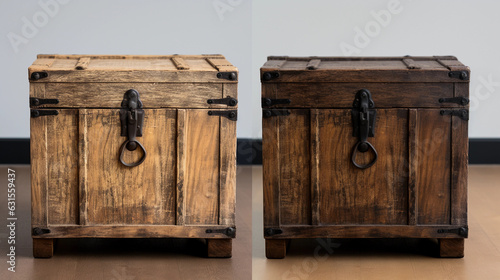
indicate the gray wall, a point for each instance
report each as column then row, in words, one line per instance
column 246, row 32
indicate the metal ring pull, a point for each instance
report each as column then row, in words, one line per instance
column 122, row 151
column 357, row 149
column 132, row 122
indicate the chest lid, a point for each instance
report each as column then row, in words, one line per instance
column 394, row 82
column 364, row 69
column 163, row 81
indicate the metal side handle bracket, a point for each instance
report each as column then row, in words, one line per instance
column 363, row 121
column 132, row 121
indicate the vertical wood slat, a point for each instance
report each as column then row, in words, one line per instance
column 271, row 164
column 83, row 164
column 227, row 172
column 410, row 63
column 39, row 168
column 83, row 63
column 315, row 201
column 313, row 64
column 181, row 165
column 412, row 166
column 459, row 167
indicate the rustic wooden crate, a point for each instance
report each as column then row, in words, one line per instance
column 185, row 188
column 417, row 188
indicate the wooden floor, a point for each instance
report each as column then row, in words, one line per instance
column 123, row 259
column 391, row 259
column 117, row 259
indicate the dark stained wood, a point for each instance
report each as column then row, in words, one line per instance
column 219, row 248
column 294, row 150
column 460, row 170
column 276, row 248
column 43, row 247
column 365, row 231
column 434, row 158
column 271, row 164
column 412, row 166
column 451, row 247
column 377, row 195
column 315, row 174
column 385, row 95
column 133, row 231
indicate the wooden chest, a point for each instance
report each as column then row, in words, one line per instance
column 133, row 147
column 373, row 147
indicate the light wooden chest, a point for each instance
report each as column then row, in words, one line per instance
column 133, row 147
column 365, row 148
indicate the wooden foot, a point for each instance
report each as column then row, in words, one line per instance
column 276, row 248
column 43, row 247
column 219, row 248
column 451, row 247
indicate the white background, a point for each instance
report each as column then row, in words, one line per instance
column 246, row 32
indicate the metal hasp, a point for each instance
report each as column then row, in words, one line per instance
column 272, row 231
column 462, row 231
column 231, row 114
column 40, row 231
column 268, row 102
column 229, row 101
column 463, row 113
column 363, row 124
column 232, row 76
column 132, row 121
column 230, row 231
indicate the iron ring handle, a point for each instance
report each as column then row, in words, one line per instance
column 122, row 151
column 355, row 151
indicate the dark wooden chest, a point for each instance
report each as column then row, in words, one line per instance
column 373, row 147
column 133, row 147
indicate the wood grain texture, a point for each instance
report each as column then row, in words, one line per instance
column 117, row 194
column 83, row 156
column 201, row 182
column 451, row 248
column 294, row 153
column 153, row 95
column 180, row 63
column 62, row 167
column 227, row 171
column 365, row 231
column 276, row 248
column 219, row 248
column 434, row 157
column 43, row 247
column 460, row 170
column 39, row 173
column 315, row 175
column 181, row 166
column 412, row 165
column 385, row 95
column 376, row 195
column 83, row 63
column 133, row 231
column 271, row 164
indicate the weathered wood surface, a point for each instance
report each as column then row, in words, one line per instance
column 133, row 231
column 276, row 248
column 43, row 248
column 364, row 231
column 153, row 95
column 385, row 95
column 130, row 68
column 219, row 248
column 451, row 248
column 364, row 69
